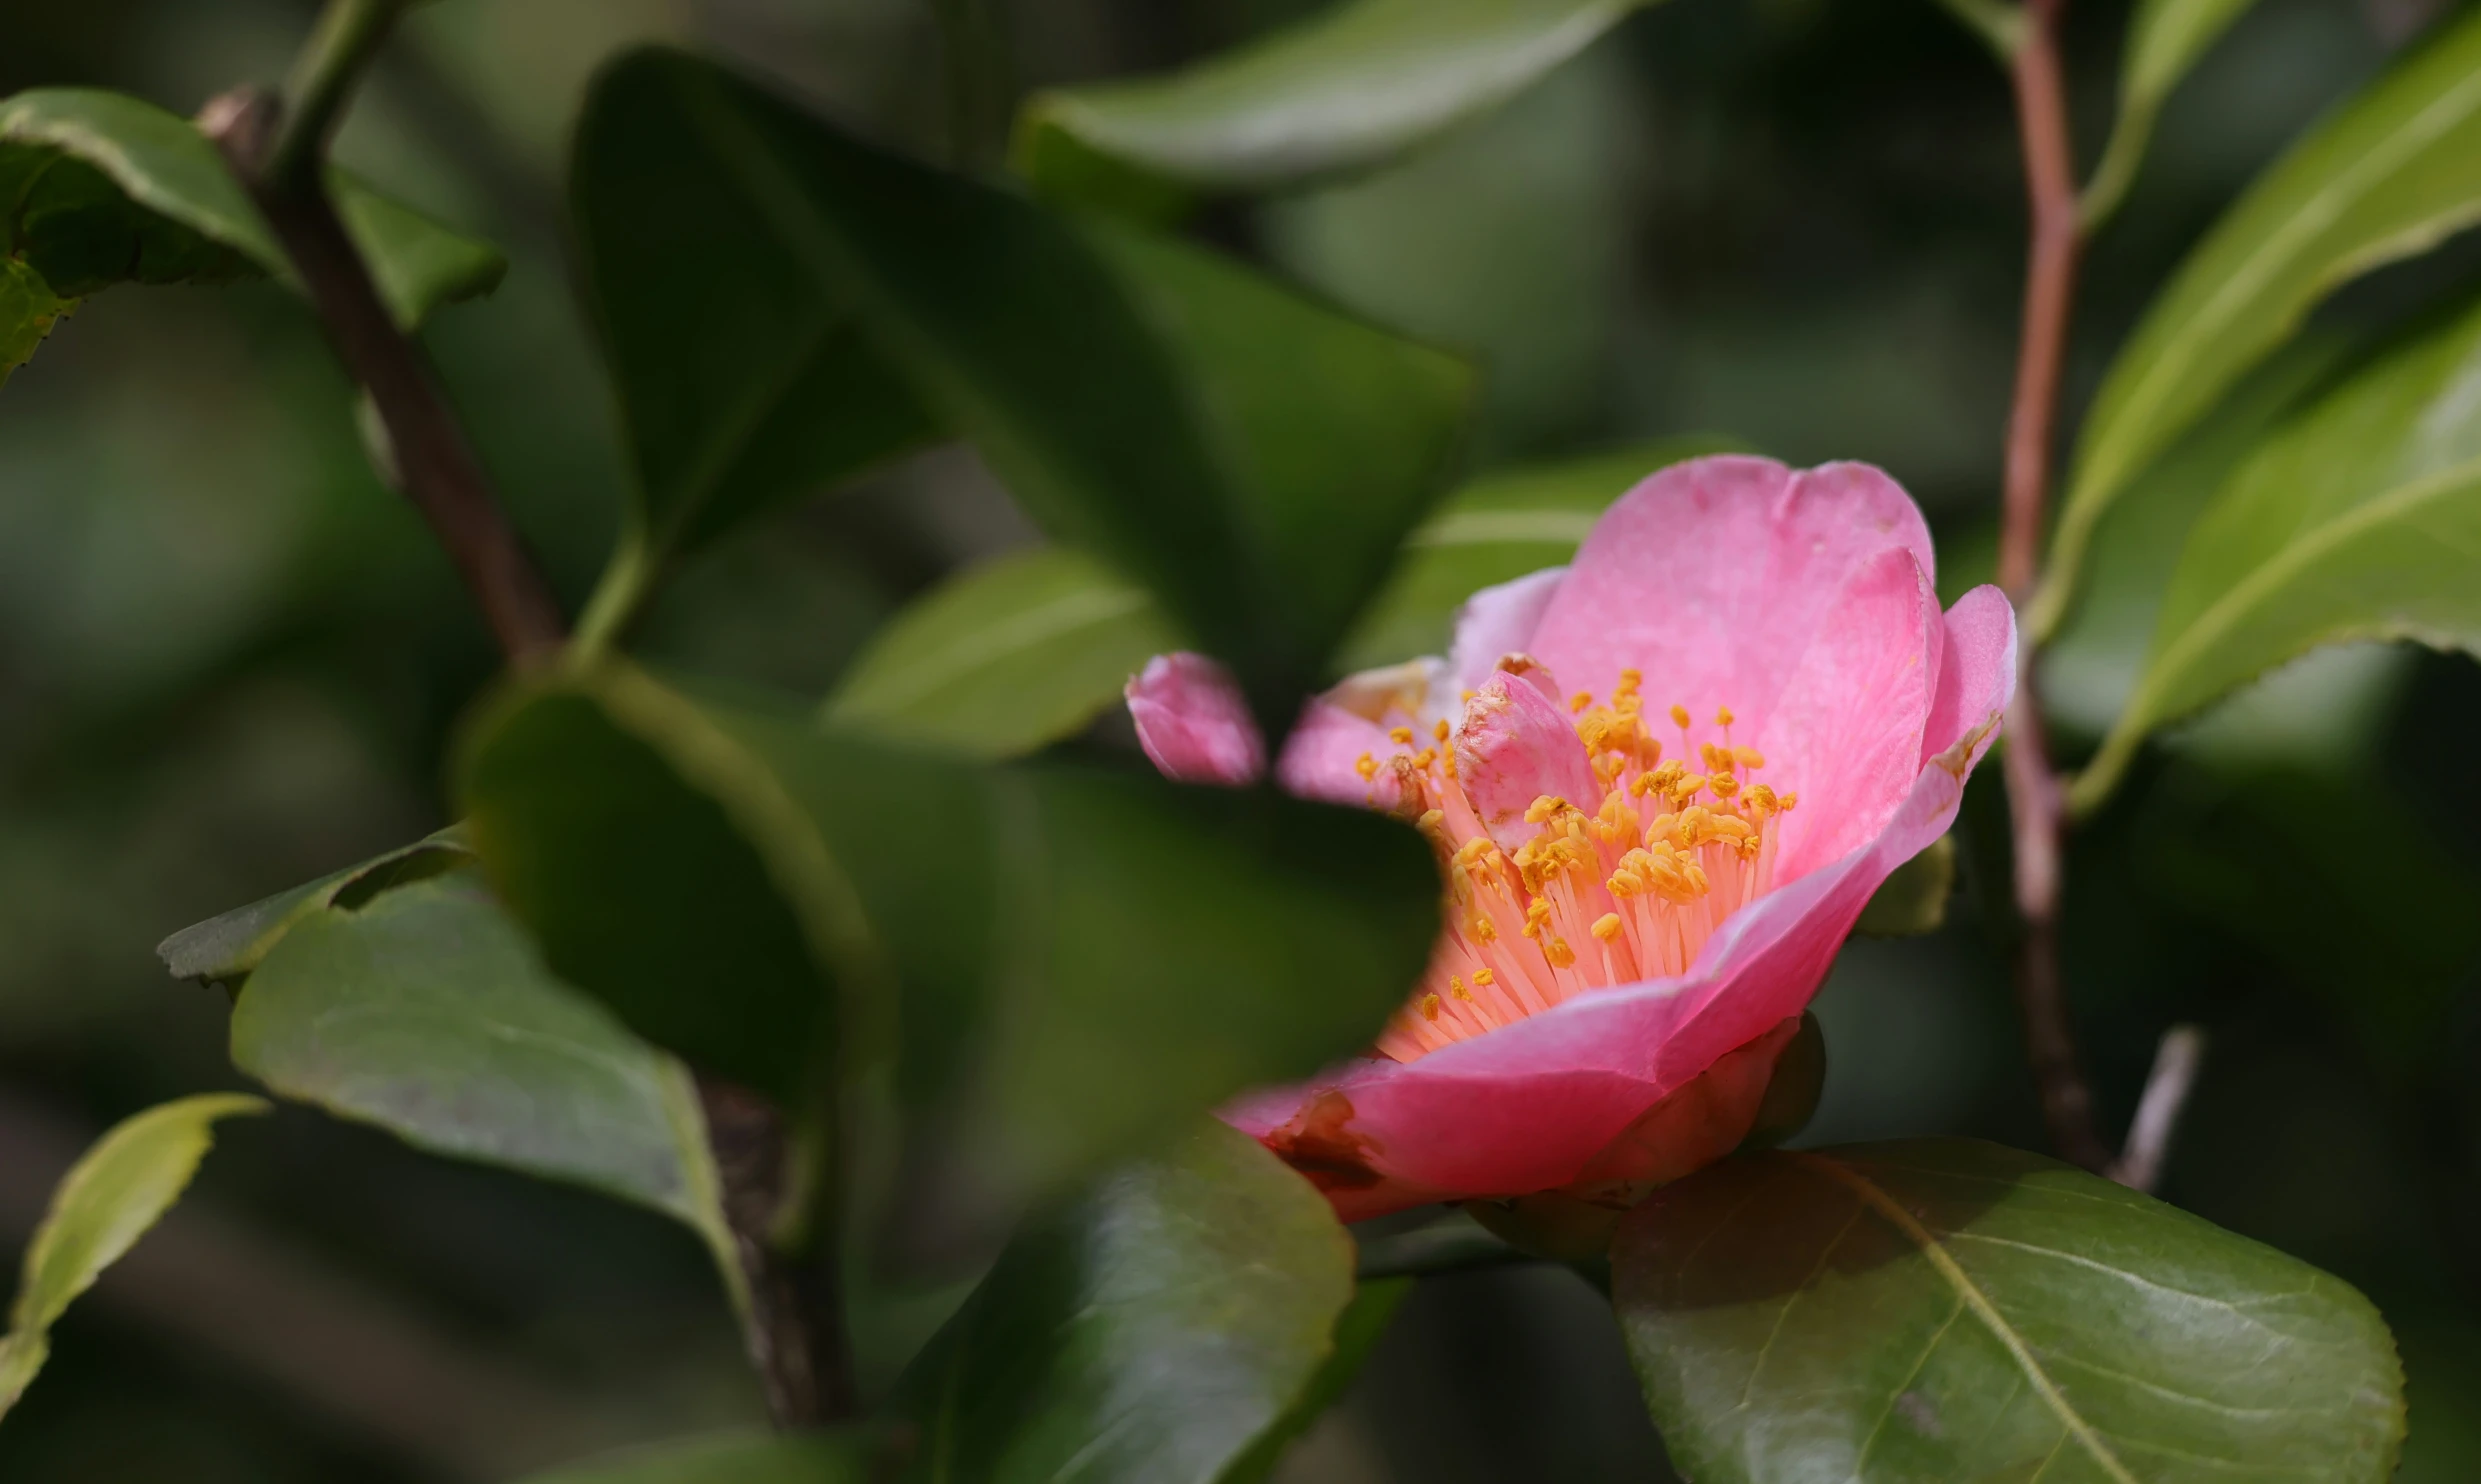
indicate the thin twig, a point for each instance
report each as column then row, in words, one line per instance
column 796, row 1335
column 2032, row 789
column 435, row 464
column 2157, row 1113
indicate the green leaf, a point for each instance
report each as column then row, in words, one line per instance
column 2360, row 520
column 427, row 1013
column 100, row 188
column 1342, row 91
column 1248, row 456
column 2165, row 39
column 744, row 378
column 1006, row 657
column 1947, row 1309
column 1913, row 901
column 28, row 311
column 1357, row 1332
column 2392, row 174
column 223, row 950
column 1499, row 527
column 755, row 1458
column 1069, row 957
column 1153, row 1332
column 123, row 1186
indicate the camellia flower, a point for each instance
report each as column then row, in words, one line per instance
column 1662, row 783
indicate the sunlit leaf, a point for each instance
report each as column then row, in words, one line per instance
column 754, row 1458
column 101, row 188
column 1344, row 90
column 2393, row 173
column 1946, row 1309
column 2360, row 520
column 1004, row 657
column 427, row 1013
column 1357, row 1332
column 1153, row 1332
column 1066, row 957
column 1248, row 456
column 120, row 1188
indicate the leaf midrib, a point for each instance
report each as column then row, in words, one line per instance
column 1970, row 1292
column 2143, row 713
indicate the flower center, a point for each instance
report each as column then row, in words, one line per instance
column 1615, row 889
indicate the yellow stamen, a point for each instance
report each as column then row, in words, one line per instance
column 1607, row 926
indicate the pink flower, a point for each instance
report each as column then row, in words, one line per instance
column 1758, row 713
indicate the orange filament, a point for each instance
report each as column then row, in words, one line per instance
column 1613, row 890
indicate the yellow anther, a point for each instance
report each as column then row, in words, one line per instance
column 1724, row 785
column 1630, row 679
column 1401, row 736
column 1438, row 732
column 1748, row 757
column 1482, row 930
column 1580, row 701
column 1425, row 757
column 1607, row 926
column 1679, row 717
column 1455, row 986
column 1548, row 806
column 1367, row 767
column 1485, row 978
column 1429, row 1007
column 1789, row 800
column 1763, row 798
column 1723, row 716
column 1687, row 788
column 1559, row 953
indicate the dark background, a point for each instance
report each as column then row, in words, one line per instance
column 229, row 661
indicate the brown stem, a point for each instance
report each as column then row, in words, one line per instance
column 435, row 465
column 2032, row 789
column 796, row 1332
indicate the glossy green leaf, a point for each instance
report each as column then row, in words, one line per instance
column 1499, row 527
column 1152, row 1332
column 1006, row 657
column 752, row 1458
column 1064, row 957
column 1344, row 90
column 2394, row 172
column 1947, row 1309
column 1913, row 901
column 2360, row 520
column 120, row 1188
column 223, row 950
column 2165, row 39
column 753, row 390
column 427, row 1013
column 101, row 188
column 2091, row 665
column 1250, row 457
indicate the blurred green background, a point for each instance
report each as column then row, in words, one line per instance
column 229, row 661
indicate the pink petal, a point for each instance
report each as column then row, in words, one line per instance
column 1322, row 758
column 1515, row 746
column 1980, row 663
column 1499, row 621
column 1193, row 723
column 1712, row 576
column 1847, row 733
column 1535, row 1105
